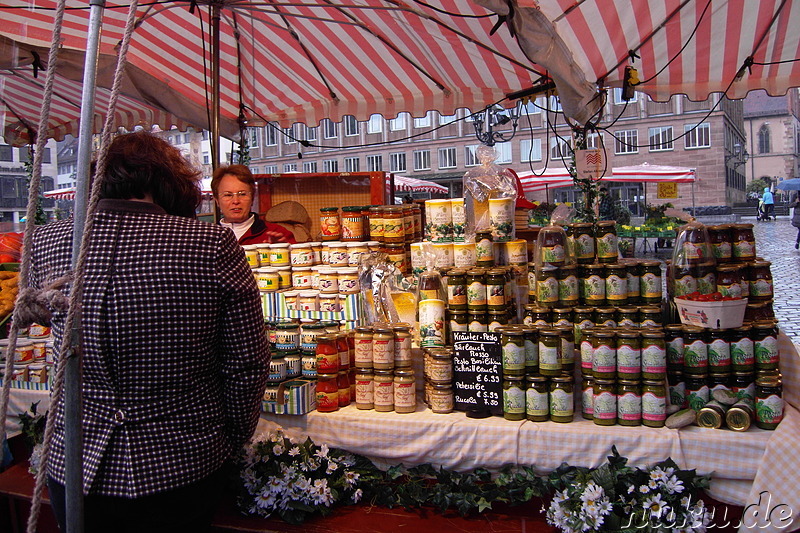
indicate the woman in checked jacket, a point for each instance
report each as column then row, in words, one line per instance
column 175, row 357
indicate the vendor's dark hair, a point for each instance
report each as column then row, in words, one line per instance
column 140, row 163
column 241, row 172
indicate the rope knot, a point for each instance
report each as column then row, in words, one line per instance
column 36, row 306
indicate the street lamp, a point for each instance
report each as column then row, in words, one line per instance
column 738, row 157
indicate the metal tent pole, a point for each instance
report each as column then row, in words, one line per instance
column 215, row 147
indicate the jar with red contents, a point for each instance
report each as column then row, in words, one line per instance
column 327, row 352
column 328, row 393
column 343, row 348
column 343, row 382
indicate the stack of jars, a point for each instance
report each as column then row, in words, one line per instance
column 33, row 357
column 438, row 373
column 394, row 228
column 481, row 299
column 335, row 377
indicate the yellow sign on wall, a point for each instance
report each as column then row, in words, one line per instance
column 667, row 190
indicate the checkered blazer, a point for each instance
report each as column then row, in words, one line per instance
column 175, row 354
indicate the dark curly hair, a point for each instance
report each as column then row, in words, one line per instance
column 140, row 163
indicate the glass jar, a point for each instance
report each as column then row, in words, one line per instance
column 440, row 367
column 566, row 355
column 567, row 286
column 593, row 285
column 729, row 281
column 676, row 389
column 758, row 311
column 654, row 355
column 650, row 282
column 355, row 251
column 629, row 403
column 632, row 267
column 329, row 303
column 582, row 234
column 287, row 338
column 547, row 286
column 477, row 321
column 376, row 223
column 629, row 355
column 684, row 280
column 627, row 317
column 605, row 317
column 695, row 351
column 441, row 398
column 587, row 351
column 476, row 290
column 562, row 316
column 277, row 370
column 740, row 415
column 721, row 247
column 328, row 281
column 765, row 345
column 706, row 276
column 537, row 315
column 654, row 403
column 309, row 363
column 362, row 357
column 769, row 402
column 405, row 398
column 604, row 355
column 697, row 391
column 561, row 399
column 364, row 388
column 606, row 241
column 343, row 381
column 382, row 348
column 393, row 232
column 719, row 350
column 743, row 385
column 604, row 406
column 743, row 243
column 327, row 393
column 537, row 407
column 719, row 380
column 343, row 346
column 497, row 319
column 742, row 349
column 495, row 289
column 587, row 397
column 383, row 390
column 549, row 356
column 512, row 341
column 330, row 224
column 484, row 249
column 300, row 255
column 616, row 279
column 531, row 336
column 396, row 253
column 514, row 397
column 457, row 290
column 352, row 224
column 673, row 337
column 459, row 321
column 760, row 281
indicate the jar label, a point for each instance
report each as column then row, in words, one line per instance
column 654, row 359
column 287, row 339
column 584, row 246
column 766, row 350
column 547, row 290
column 567, row 352
column 475, row 325
column 650, row 285
column 393, row 228
column 327, row 401
column 301, row 257
column 404, row 395
column 363, row 352
column 431, row 323
column 649, row 323
column 605, row 405
column 604, row 359
column 695, row 354
column 329, row 226
column 376, row 228
column 441, row 402
column 484, row 250
column 476, row 294
column 548, row 358
column 616, row 287
column 587, row 401
column 684, row 285
column 402, row 350
column 495, row 294
column 531, row 353
column 761, row 288
column 697, row 399
column 722, row 250
column 744, row 249
column 553, row 254
column 587, row 354
column 514, row 400
column 349, row 285
column 352, row 228
column 338, row 257
column 383, row 393
column 441, row 372
column 301, row 279
column 328, row 284
column 770, row 409
column 513, row 356
column 748, row 391
column 561, row 403
column 719, row 353
column 633, row 285
column 364, row 391
column 629, row 406
column 568, row 289
column 675, row 351
column 594, row 288
column 464, row 254
column 734, row 290
column 654, row 407
column 383, row 351
column 677, row 394
column 742, row 352
column 707, row 284
column 607, row 246
column 536, row 403
column 626, row 323
column 629, row 360
column 693, row 250
column 455, row 326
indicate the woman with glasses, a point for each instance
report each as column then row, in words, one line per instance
column 234, row 187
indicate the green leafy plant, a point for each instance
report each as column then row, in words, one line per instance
column 33, row 426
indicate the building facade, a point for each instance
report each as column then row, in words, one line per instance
column 14, row 182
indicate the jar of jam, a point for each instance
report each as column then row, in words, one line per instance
column 593, row 284
column 587, row 397
column 476, row 290
column 383, row 390
column 567, row 286
column 606, row 241
column 330, row 224
column 721, row 247
column 604, row 355
column 729, row 281
column 327, row 393
column 457, row 290
column 650, row 282
column 760, row 281
column 676, row 389
column 673, row 337
column 604, row 402
column 512, row 341
column 382, row 348
column 719, row 350
column 514, row 397
column 629, row 355
column 683, row 280
column 605, row 317
column 547, row 286
column 393, row 232
column 549, row 352
column 654, row 355
column 536, row 315
column 765, row 345
column 769, row 402
column 537, row 405
column 405, row 391
column 561, row 399
column 654, row 403
column 742, row 349
column 495, row 289
column 743, row 243
column 327, row 352
column 740, row 415
column 552, row 246
column 364, row 388
column 477, row 321
column 697, row 391
column 441, row 398
column 629, row 403
column 376, row 223
column 695, row 351
column 627, row 317
column 582, row 234
column 343, row 382
column 484, row 249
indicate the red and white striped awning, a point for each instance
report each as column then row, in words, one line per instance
column 407, row 184
column 552, row 178
column 67, row 193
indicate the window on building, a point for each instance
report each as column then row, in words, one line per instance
column 350, row 125
column 626, row 142
column 554, row 103
column 618, row 97
column 375, row 124
column 423, row 122
column 329, row 129
column 271, row 135
column 205, row 135
column 309, row 166
column 764, row 139
column 351, row 164
column 271, row 169
column 534, row 107
column 447, row 157
column 9, row 186
column 530, row 150
column 446, row 119
column 399, row 123
column 187, row 138
column 311, row 133
column 422, row 159
column 594, row 141
column 255, row 134
column 470, row 157
column 397, row 162
column 290, row 135
column 330, row 165
column 290, row 167
column 560, row 147
column 206, row 158
column 697, row 135
column 503, row 151
column 375, row 163
column 660, row 138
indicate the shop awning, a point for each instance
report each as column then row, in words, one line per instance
column 407, row 184
column 551, row 178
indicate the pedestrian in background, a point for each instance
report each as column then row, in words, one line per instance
column 796, row 218
column 769, row 204
column 175, row 359
column 605, row 210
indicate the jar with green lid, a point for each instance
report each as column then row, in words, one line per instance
column 606, row 241
column 536, row 315
column 605, row 317
column 514, row 397
column 629, row 403
column 720, row 237
column 676, row 389
column 537, row 404
column 587, row 351
column 567, row 353
column 587, row 397
column 706, row 276
column 484, row 249
column 719, row 381
column 632, row 267
column 476, row 289
column 712, row 415
column 593, row 284
column 497, row 319
column 629, row 355
column 567, row 286
column 562, row 316
column 729, row 281
column 616, row 284
column 769, row 402
column 582, row 318
column 741, row 415
column 765, row 345
column 547, row 286
column 496, row 289
column 459, row 321
column 743, row 243
column 654, row 355
column 650, row 282
column 582, row 235
column 549, row 352
column 697, row 392
column 719, row 350
column 695, row 350
column 743, row 384
column 760, row 281
column 627, row 317
column 673, row 337
column 562, row 407
column 512, row 341
column 330, row 224
column 654, row 403
column 477, row 321
column 604, row 402
column 531, row 336
column 604, row 355
column 457, row 290
column 650, row 317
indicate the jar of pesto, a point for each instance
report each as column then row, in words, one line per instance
column 606, row 241
column 629, row 403
column 531, row 336
column 587, row 397
column 512, row 341
column 627, row 317
column 561, row 399
column 536, row 315
column 695, row 350
column 654, row 355
column 582, row 235
column 537, row 404
column 567, row 286
column 593, row 285
column 765, row 345
column 616, row 284
column 605, row 402
column 549, row 352
column 604, row 355
column 650, row 282
column 742, row 355
column 654, row 403
column 673, row 337
column 629, row 355
column 514, row 397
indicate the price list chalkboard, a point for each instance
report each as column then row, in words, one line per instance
column 478, row 371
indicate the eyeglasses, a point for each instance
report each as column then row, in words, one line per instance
column 228, row 196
